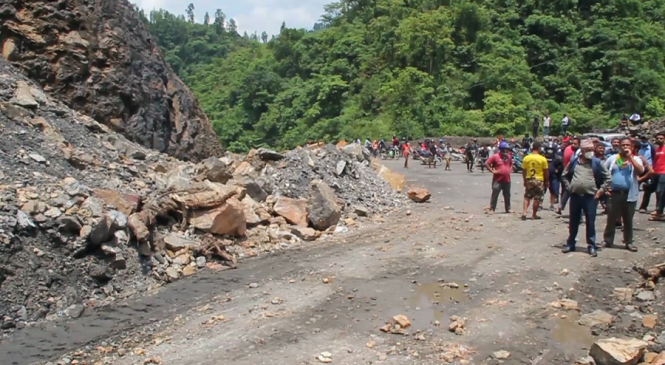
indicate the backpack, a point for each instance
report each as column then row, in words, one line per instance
column 595, row 166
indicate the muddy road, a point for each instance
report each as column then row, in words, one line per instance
column 446, row 258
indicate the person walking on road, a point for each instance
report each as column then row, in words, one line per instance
column 535, row 173
column 471, row 149
column 624, row 168
column 406, row 151
column 500, row 165
column 535, row 125
column 555, row 166
column 659, row 169
column 483, row 154
column 587, row 180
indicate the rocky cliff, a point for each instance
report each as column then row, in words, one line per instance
column 99, row 59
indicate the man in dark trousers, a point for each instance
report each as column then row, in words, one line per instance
column 535, row 125
column 587, row 180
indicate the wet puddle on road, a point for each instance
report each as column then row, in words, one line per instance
column 568, row 331
column 427, row 296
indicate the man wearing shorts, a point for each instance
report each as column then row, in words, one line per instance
column 535, row 173
column 555, row 166
column 432, row 155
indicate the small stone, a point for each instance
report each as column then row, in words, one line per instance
column 564, row 272
column 53, row 213
column 649, row 320
column 327, row 280
column 501, row 355
column 172, row 273
column 402, row 320
column 201, row 262
column 596, row 318
column 254, row 285
column 37, row 157
column 188, row 270
column 567, row 304
column 76, row 311
column 370, row 344
column 646, row 296
column 408, row 212
column 339, row 168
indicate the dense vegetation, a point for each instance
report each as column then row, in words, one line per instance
column 422, row 67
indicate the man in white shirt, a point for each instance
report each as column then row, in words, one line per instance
column 546, row 125
column 635, row 118
column 565, row 122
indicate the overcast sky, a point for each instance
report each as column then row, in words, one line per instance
column 251, row 15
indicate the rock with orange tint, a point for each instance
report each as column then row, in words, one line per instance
column 419, row 195
column 227, row 219
column 293, row 210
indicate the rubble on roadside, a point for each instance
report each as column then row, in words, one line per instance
column 88, row 217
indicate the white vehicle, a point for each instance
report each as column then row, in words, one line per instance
column 605, row 137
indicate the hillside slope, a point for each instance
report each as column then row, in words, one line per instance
column 100, row 60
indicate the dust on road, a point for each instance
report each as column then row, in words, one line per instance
column 446, row 259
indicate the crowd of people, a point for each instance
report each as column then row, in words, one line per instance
column 580, row 173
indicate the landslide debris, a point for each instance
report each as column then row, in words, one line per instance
column 88, row 217
column 100, row 60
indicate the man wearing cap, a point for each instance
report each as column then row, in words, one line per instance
column 587, row 180
column 500, row 165
column 568, row 153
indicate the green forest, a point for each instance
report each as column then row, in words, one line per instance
column 415, row 68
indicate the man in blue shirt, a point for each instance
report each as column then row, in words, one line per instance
column 624, row 170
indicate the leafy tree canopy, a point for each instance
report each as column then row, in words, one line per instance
column 374, row 68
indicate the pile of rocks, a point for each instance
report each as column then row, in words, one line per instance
column 88, row 217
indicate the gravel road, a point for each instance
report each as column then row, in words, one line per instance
column 446, row 258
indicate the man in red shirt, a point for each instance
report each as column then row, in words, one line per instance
column 500, row 165
column 568, row 154
column 659, row 169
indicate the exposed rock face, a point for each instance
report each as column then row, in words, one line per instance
column 99, row 58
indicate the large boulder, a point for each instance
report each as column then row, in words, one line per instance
column 322, row 207
column 293, row 210
column 615, row 351
column 215, row 170
column 419, row 195
column 269, row 155
column 126, row 203
column 254, row 187
column 356, row 151
column 227, row 219
column 109, row 68
column 250, row 207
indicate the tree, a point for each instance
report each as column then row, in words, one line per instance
column 190, row 12
column 421, row 68
column 220, row 20
column 206, row 19
column 232, row 27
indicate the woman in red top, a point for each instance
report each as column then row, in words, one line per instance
column 406, row 150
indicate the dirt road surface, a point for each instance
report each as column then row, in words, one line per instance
column 446, row 258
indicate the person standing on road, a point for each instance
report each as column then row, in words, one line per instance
column 447, row 152
column 500, row 165
column 659, row 169
column 565, row 122
column 432, row 155
column 568, row 153
column 535, row 125
column 535, row 173
column 546, row 125
column 406, row 151
column 483, row 154
column 624, row 169
column 555, row 166
column 649, row 180
column 587, row 180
